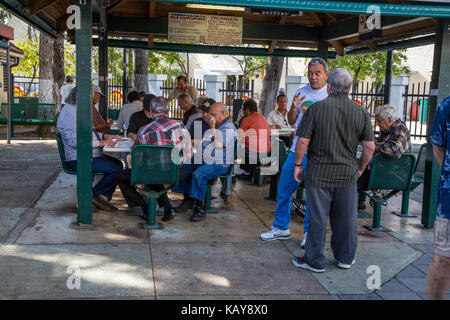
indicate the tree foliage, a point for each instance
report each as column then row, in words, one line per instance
column 250, row 65
column 372, row 65
column 4, row 16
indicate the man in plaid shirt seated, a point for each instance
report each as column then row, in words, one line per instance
column 160, row 131
column 393, row 142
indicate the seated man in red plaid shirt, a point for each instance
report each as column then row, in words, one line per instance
column 160, row 131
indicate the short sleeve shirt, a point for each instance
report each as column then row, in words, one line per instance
column 334, row 126
column 137, row 121
column 440, row 137
column 190, row 90
column 257, row 133
column 311, row 97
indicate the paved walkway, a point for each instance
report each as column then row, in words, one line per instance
column 41, row 246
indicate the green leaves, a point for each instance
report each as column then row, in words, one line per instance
column 372, row 65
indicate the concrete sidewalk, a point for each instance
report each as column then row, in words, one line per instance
column 42, row 247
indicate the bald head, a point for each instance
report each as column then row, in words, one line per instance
column 219, row 111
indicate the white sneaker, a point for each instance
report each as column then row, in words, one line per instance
column 275, row 234
column 300, row 263
column 302, row 244
column 345, row 266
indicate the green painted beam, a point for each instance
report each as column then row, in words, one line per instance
column 19, row 10
column 434, row 11
column 83, row 38
column 348, row 27
column 397, row 45
column 250, row 30
column 440, row 86
column 226, row 50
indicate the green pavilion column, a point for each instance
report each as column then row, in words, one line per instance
column 440, row 89
column 103, row 59
column 83, row 41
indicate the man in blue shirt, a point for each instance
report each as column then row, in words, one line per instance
column 438, row 277
column 215, row 154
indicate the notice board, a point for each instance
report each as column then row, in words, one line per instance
column 207, row 29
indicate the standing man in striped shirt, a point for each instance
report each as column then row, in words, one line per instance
column 304, row 97
column 331, row 130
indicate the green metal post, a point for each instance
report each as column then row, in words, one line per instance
column 103, row 73
column 376, row 222
column 84, row 112
column 151, row 216
column 440, row 89
column 208, row 198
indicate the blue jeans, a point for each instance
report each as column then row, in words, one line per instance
column 105, row 165
column 286, row 187
column 195, row 178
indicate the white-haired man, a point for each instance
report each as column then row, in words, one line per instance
column 393, row 142
column 331, row 130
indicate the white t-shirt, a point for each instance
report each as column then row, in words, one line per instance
column 311, row 97
column 65, row 90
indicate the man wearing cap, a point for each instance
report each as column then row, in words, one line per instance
column 100, row 124
column 160, row 131
column 214, row 156
column 65, row 90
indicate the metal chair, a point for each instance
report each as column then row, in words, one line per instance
column 153, row 164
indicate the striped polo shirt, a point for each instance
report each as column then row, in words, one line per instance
column 334, row 126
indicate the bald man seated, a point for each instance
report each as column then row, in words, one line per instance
column 214, row 156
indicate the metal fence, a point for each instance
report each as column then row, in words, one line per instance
column 25, row 86
column 230, row 91
column 415, row 109
column 117, row 96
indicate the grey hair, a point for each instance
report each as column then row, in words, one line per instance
column 159, row 105
column 387, row 111
column 185, row 97
column 201, row 99
column 72, row 97
column 318, row 60
column 341, row 80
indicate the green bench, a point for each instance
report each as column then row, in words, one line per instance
column 388, row 177
column 28, row 114
column 152, row 164
column 62, row 156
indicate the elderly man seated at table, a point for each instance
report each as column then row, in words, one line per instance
column 255, row 133
column 160, row 131
column 199, row 114
column 100, row 125
column 214, row 156
column 141, row 118
column 393, row 142
column 67, row 127
column 134, row 105
column 186, row 104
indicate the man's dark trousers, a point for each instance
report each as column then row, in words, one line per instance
column 341, row 205
column 132, row 197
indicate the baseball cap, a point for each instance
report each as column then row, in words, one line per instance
column 206, row 105
column 97, row 89
column 69, row 79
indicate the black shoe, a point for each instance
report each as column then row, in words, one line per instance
column 186, row 205
column 299, row 207
column 169, row 214
column 199, row 214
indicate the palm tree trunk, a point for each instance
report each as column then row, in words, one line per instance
column 141, row 70
column 271, row 84
column 45, row 69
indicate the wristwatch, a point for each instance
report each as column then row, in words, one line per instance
column 298, row 165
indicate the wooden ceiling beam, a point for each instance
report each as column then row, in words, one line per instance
column 113, row 5
column 372, row 45
column 40, row 5
column 339, row 46
column 317, row 19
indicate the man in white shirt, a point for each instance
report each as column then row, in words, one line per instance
column 304, row 97
column 65, row 90
column 134, row 105
column 67, row 127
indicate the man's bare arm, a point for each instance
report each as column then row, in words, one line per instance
column 132, row 135
column 368, row 148
column 439, row 154
column 300, row 149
